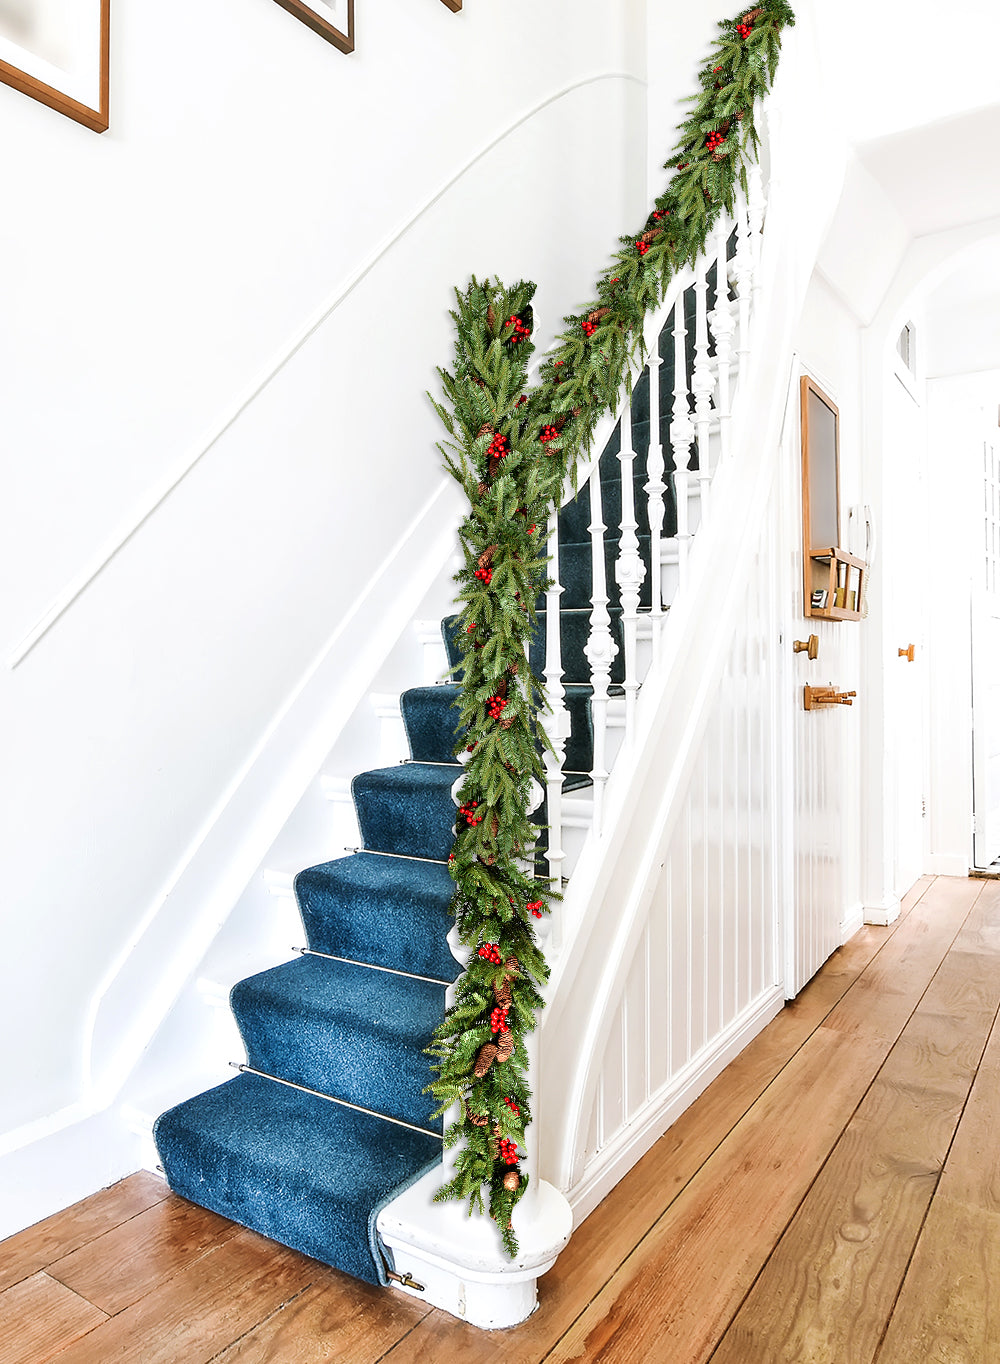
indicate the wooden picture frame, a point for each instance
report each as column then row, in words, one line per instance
column 334, row 19
column 331, row 19
column 59, row 56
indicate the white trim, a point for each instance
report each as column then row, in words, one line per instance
column 162, row 490
column 947, row 864
column 852, row 922
column 885, row 912
column 665, row 1106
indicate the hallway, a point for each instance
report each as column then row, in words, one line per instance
column 833, row 1197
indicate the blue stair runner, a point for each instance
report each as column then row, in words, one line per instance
column 331, row 1121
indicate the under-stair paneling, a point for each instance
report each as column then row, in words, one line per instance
column 706, row 961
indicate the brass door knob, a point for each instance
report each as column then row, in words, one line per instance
column 907, row 653
column 808, row 646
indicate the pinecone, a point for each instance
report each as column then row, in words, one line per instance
column 512, row 1181
column 506, row 724
column 491, row 317
column 502, row 994
column 505, row 1046
column 486, row 558
column 487, row 1055
column 511, row 968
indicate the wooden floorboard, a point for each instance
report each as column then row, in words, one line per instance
column 39, row 1316
column 40, row 1245
column 832, row 1198
column 829, row 1287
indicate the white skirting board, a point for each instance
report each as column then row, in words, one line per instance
column 649, row 1123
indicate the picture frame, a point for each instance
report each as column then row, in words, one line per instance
column 331, row 19
column 57, row 52
column 334, row 19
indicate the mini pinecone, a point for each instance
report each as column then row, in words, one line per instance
column 511, row 968
column 511, row 1180
column 475, row 1118
column 505, row 1046
column 486, row 558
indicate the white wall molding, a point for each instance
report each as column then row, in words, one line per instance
column 184, row 466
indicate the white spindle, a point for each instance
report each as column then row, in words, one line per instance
column 556, row 721
column 743, row 266
column 681, row 438
column 755, row 220
column 629, row 569
column 655, row 488
column 601, row 647
column 702, row 385
column 723, row 323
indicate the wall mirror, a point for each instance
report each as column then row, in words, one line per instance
column 833, row 579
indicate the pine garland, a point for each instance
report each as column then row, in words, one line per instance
column 511, row 448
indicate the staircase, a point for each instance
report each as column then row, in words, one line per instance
column 327, row 1121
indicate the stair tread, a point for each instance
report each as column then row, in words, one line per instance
column 294, row 1167
column 385, row 911
column 346, row 1030
column 407, row 809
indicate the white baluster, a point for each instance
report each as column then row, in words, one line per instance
column 743, row 267
column 556, row 720
column 755, row 221
column 702, row 384
column 681, row 438
column 629, row 569
column 601, row 647
column 723, row 323
column 655, row 488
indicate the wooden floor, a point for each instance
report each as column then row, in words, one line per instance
column 834, row 1197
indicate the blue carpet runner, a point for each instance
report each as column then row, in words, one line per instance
column 273, row 1148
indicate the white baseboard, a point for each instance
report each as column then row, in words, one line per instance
column 649, row 1122
column 852, row 922
column 947, row 864
column 84, row 1152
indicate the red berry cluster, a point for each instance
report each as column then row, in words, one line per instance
column 521, row 330
column 682, row 165
column 512, row 1106
column 532, row 529
column 642, row 247
column 588, row 327
column 499, row 446
column 490, row 951
column 508, row 1151
column 714, row 139
column 745, row 29
column 468, row 812
column 716, row 69
column 522, row 400
column 495, row 706
column 485, row 575
column 498, row 1019
column 536, row 908
column 658, row 213
column 470, row 627
column 547, row 433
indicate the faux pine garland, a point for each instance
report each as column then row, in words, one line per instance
column 511, row 447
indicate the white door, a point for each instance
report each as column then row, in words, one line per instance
column 986, row 671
